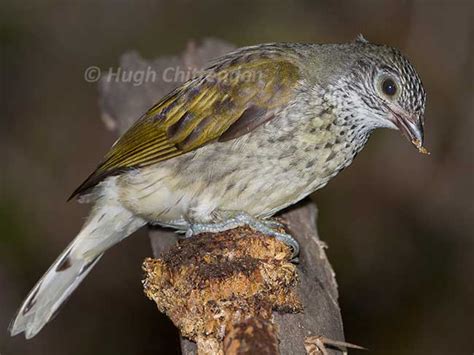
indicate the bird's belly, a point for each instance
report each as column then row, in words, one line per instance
column 151, row 193
column 174, row 196
column 259, row 176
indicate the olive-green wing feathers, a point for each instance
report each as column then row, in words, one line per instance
column 226, row 101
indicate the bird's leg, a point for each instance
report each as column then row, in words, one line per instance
column 233, row 220
column 272, row 223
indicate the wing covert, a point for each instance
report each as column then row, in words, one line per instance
column 222, row 103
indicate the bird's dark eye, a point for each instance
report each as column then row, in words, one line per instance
column 389, row 87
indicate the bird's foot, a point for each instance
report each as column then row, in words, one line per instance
column 241, row 219
column 316, row 345
column 273, row 224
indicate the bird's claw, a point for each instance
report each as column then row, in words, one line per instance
column 240, row 219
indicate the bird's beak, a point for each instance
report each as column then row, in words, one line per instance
column 410, row 125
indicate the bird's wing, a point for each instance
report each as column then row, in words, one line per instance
column 226, row 101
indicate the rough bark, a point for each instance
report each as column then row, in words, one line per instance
column 122, row 102
column 220, row 289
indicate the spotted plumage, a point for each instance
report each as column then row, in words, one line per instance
column 255, row 132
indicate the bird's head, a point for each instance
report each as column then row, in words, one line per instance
column 389, row 91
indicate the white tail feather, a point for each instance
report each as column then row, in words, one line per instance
column 108, row 224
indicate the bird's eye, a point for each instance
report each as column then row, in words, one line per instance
column 389, row 87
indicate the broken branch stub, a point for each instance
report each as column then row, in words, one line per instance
column 225, row 285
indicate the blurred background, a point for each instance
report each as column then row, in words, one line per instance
column 399, row 224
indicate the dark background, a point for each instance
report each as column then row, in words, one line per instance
column 399, row 224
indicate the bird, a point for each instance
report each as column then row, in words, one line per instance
column 256, row 131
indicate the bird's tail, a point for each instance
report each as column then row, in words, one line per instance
column 107, row 225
